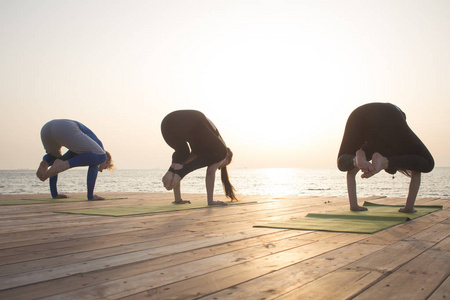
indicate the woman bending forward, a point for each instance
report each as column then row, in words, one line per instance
column 85, row 149
column 377, row 138
column 197, row 144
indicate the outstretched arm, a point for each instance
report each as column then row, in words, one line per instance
column 414, row 186
column 91, row 179
column 351, row 189
column 210, row 181
column 54, row 191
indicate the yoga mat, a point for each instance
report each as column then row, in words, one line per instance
column 47, row 200
column 120, row 211
column 377, row 218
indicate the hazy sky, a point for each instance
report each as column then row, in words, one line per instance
column 278, row 78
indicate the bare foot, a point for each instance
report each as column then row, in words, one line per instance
column 364, row 165
column 97, row 198
column 221, row 203
column 175, row 181
column 57, row 167
column 61, row 196
column 40, row 173
column 182, row 202
column 167, row 180
column 379, row 162
column 407, row 210
column 358, row 208
column 171, row 179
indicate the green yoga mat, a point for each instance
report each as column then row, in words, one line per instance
column 120, row 211
column 46, row 201
column 377, row 218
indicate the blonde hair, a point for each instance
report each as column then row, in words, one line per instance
column 110, row 162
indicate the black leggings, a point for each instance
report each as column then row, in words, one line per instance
column 382, row 128
column 189, row 131
column 177, row 129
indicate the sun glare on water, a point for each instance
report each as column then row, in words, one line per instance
column 280, row 180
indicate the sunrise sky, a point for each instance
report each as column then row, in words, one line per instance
column 278, row 78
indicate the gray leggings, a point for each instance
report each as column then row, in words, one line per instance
column 58, row 133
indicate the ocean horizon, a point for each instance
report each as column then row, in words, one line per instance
column 247, row 181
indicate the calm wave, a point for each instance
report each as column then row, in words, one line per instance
column 277, row 182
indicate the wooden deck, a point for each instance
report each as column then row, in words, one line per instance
column 216, row 253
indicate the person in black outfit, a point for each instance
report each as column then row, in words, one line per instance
column 377, row 138
column 197, row 144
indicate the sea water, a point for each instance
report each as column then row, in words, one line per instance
column 276, row 182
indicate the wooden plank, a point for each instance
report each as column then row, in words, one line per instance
column 162, row 234
column 417, row 279
column 159, row 246
column 434, row 234
column 442, row 292
column 183, row 255
column 270, row 258
column 357, row 277
column 340, row 284
column 264, row 279
column 396, row 255
column 90, row 261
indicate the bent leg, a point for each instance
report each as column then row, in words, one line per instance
column 379, row 162
column 168, row 179
column 405, row 150
column 182, row 150
column 355, row 135
column 423, row 164
column 174, row 134
column 57, row 167
column 43, row 167
column 46, row 162
column 364, row 165
column 345, row 162
column 87, row 159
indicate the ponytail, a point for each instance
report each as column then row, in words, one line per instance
column 407, row 173
column 227, row 186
